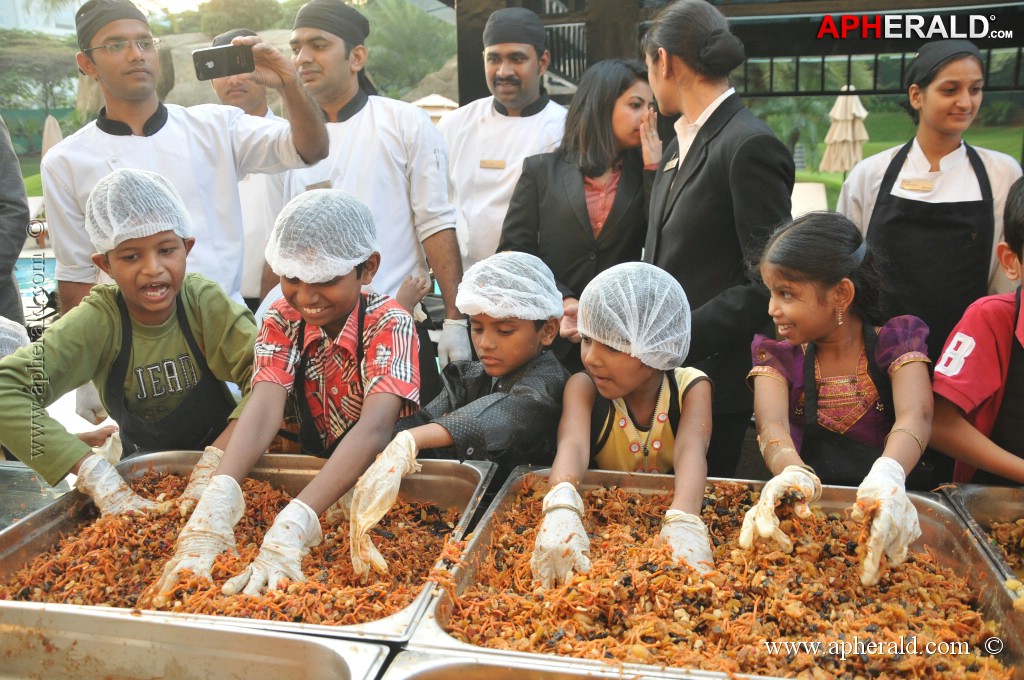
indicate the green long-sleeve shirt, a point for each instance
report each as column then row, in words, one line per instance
column 82, row 346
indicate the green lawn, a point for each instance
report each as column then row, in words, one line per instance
column 30, row 171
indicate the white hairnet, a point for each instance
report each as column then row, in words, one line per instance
column 638, row 309
column 12, row 336
column 130, row 203
column 510, row 285
column 321, row 234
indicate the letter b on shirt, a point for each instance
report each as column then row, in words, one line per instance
column 953, row 359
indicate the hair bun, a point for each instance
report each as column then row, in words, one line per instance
column 721, row 52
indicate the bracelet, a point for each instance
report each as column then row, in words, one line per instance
column 563, row 506
column 920, row 443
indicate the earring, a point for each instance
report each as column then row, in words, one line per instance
column 839, row 317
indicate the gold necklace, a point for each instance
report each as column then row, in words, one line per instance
column 636, row 446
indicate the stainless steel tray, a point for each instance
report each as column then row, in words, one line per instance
column 22, row 492
column 941, row 529
column 980, row 505
column 62, row 642
column 441, row 482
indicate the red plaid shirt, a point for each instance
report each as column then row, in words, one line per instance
column 333, row 386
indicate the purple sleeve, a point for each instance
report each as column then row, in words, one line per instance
column 901, row 340
column 775, row 358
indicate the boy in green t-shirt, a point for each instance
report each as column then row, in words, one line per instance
column 160, row 346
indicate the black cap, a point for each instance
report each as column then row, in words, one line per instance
column 932, row 56
column 515, row 25
column 226, row 37
column 335, row 17
column 95, row 14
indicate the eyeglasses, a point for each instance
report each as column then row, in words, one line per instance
column 144, row 45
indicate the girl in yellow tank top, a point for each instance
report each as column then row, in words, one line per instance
column 632, row 409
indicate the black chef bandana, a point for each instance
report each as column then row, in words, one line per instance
column 934, row 55
column 336, row 18
column 226, row 37
column 95, row 14
column 515, row 25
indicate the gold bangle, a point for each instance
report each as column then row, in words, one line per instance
column 563, row 506
column 920, row 443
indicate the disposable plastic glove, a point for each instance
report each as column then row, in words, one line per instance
column 199, row 478
column 341, row 511
column 562, row 543
column 209, row 532
column 112, row 495
column 111, row 449
column 453, row 345
column 688, row 537
column 295, row 530
column 762, row 519
column 894, row 523
column 88, row 404
column 374, row 494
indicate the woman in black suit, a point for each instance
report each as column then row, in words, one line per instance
column 723, row 184
column 583, row 208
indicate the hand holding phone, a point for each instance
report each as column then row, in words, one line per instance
column 223, row 61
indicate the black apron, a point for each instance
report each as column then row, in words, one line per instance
column 938, row 254
column 309, row 436
column 1008, row 431
column 193, row 425
column 836, row 458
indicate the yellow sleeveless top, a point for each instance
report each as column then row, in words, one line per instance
column 631, row 447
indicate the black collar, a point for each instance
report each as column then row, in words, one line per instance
column 529, row 110
column 354, row 106
column 116, row 127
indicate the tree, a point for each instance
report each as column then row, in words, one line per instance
column 405, row 44
column 224, row 15
column 36, row 68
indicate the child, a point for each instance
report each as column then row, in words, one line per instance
column 866, row 417
column 979, row 381
column 159, row 345
column 503, row 407
column 633, row 410
column 351, row 360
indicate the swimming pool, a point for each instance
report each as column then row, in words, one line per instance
column 38, row 287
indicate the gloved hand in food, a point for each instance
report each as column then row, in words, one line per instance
column 688, row 537
column 762, row 520
column 88, row 404
column 341, row 510
column 374, row 494
column 295, row 530
column 562, row 543
column 453, row 345
column 882, row 500
column 98, row 479
column 209, row 532
column 200, row 478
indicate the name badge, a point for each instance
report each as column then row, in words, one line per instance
column 492, row 165
column 326, row 184
column 671, row 165
column 915, row 185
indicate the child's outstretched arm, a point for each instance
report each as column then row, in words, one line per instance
column 562, row 542
column 683, row 528
column 956, row 437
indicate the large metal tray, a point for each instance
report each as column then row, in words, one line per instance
column 980, row 506
column 941, row 529
column 59, row 643
column 22, row 492
column 442, row 482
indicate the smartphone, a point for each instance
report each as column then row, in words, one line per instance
column 223, row 61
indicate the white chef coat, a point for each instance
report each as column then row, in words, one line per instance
column 257, row 221
column 954, row 182
column 486, row 151
column 390, row 156
column 202, row 150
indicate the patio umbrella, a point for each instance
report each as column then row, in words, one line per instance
column 51, row 134
column 846, row 135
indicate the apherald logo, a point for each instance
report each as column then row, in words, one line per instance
column 897, row 26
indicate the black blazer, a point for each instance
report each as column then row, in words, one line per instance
column 548, row 217
column 732, row 189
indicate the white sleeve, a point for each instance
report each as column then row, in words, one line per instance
column 262, row 145
column 65, row 220
column 428, row 177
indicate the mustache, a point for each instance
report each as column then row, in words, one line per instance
column 512, row 80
